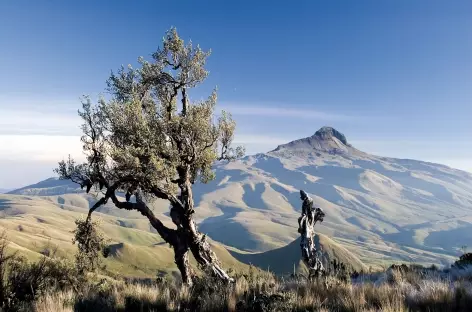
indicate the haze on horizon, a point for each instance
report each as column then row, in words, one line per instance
column 394, row 77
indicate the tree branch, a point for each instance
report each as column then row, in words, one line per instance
column 174, row 67
column 184, row 102
column 99, row 203
column 168, row 235
column 159, row 193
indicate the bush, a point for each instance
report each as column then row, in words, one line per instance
column 23, row 282
column 52, row 284
column 340, row 271
column 464, row 261
column 28, row 281
column 91, row 245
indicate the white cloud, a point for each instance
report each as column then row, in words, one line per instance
column 42, row 103
column 457, row 163
column 259, row 143
column 424, row 150
column 57, row 147
column 27, row 159
column 35, row 156
column 42, row 148
column 15, row 121
column 38, row 134
column 410, row 142
column 286, row 112
column 259, row 139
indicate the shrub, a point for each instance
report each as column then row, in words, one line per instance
column 27, row 281
column 23, row 282
column 464, row 260
column 91, row 245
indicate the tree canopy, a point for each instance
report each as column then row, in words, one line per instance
column 151, row 141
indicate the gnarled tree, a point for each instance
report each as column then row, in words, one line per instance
column 150, row 141
column 307, row 243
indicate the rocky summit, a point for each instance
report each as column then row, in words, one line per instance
column 326, row 139
column 329, row 133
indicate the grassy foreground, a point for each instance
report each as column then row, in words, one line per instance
column 265, row 293
column 55, row 283
column 393, row 290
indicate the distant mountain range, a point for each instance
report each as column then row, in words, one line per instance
column 378, row 209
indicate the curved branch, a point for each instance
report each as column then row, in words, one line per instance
column 175, row 202
column 99, row 203
column 167, row 234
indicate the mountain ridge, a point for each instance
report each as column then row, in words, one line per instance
column 326, row 135
column 381, row 209
column 325, row 139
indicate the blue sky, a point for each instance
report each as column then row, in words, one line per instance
column 394, row 76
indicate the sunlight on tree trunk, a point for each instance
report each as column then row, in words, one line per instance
column 307, row 243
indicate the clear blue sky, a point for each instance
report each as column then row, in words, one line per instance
column 394, row 76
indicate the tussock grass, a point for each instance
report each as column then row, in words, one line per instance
column 260, row 291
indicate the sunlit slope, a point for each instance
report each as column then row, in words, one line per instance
column 381, row 209
column 288, row 257
column 35, row 223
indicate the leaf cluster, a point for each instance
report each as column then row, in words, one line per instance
column 149, row 135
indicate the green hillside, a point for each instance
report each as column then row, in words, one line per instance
column 286, row 259
column 35, row 223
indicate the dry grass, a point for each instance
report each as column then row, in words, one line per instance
column 395, row 291
column 264, row 292
column 34, row 222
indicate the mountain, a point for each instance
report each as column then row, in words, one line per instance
column 379, row 209
column 291, row 256
column 51, row 186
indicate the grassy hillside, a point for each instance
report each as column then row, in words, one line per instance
column 288, row 257
column 38, row 222
column 35, row 223
column 382, row 210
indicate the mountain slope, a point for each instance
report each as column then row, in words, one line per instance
column 34, row 223
column 51, row 186
column 381, row 209
column 290, row 254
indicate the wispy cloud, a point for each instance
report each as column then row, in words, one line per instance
column 458, row 163
column 276, row 110
column 42, row 103
column 39, row 148
column 412, row 142
column 259, row 143
column 435, row 151
column 259, row 139
column 21, row 121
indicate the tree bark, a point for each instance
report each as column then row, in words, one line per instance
column 196, row 241
column 307, row 245
column 181, row 259
column 184, row 102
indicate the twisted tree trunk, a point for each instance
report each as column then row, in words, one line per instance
column 182, row 216
column 308, row 247
column 181, row 258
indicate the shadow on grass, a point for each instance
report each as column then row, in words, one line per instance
column 108, row 304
